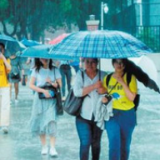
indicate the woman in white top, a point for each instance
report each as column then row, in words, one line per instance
column 43, row 118
column 89, row 86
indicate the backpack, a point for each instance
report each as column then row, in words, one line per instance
column 129, row 76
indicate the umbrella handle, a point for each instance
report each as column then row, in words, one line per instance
column 99, row 70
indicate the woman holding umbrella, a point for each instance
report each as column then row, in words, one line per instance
column 88, row 86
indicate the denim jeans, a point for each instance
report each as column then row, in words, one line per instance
column 65, row 71
column 90, row 136
column 119, row 130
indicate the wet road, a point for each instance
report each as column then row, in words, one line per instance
column 20, row 145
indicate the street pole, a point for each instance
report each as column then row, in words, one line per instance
column 104, row 9
column 102, row 15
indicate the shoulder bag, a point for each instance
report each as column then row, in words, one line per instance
column 73, row 104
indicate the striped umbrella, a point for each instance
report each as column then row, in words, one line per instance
column 99, row 44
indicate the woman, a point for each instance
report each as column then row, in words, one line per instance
column 43, row 120
column 15, row 75
column 88, row 86
column 5, row 68
column 120, row 127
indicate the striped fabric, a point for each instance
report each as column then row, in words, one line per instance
column 99, row 44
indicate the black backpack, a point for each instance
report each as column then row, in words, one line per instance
column 129, row 75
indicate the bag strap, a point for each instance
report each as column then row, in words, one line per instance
column 107, row 82
column 55, row 77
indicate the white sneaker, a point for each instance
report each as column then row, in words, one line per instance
column 5, row 130
column 63, row 98
column 53, row 152
column 16, row 100
column 44, row 150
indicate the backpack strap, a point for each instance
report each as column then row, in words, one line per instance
column 108, row 79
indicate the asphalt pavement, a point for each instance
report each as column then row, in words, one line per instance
column 18, row 144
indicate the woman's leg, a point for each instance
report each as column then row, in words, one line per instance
column 16, row 86
column 52, row 141
column 113, row 131
column 44, row 146
column 85, row 136
column 43, row 139
column 96, row 140
column 10, row 90
column 127, row 122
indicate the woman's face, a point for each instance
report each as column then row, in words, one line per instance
column 90, row 64
column 44, row 61
column 1, row 49
column 119, row 65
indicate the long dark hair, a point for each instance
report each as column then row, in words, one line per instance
column 131, row 67
column 38, row 64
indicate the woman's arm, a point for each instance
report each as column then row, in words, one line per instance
column 8, row 66
column 90, row 88
column 38, row 89
column 130, row 95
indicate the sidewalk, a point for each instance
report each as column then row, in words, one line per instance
column 19, row 145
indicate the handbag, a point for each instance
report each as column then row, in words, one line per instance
column 15, row 76
column 51, row 89
column 59, row 106
column 73, row 104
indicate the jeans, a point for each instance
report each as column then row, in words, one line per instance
column 119, row 130
column 89, row 135
column 4, row 106
column 65, row 71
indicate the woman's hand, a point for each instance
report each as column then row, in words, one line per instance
column 104, row 100
column 119, row 79
column 98, row 85
column 46, row 93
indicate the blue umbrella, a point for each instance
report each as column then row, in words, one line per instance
column 99, row 44
column 29, row 43
column 40, row 51
column 11, row 45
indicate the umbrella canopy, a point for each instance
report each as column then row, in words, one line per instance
column 58, row 39
column 11, row 44
column 99, row 44
column 40, row 51
column 29, row 43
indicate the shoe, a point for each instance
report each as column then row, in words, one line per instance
column 5, row 130
column 53, row 152
column 44, row 150
column 16, row 100
column 63, row 98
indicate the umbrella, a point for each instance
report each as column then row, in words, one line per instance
column 58, row 39
column 29, row 43
column 40, row 51
column 11, row 45
column 99, row 44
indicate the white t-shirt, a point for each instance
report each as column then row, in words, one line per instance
column 43, row 74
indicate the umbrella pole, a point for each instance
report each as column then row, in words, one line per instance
column 99, row 69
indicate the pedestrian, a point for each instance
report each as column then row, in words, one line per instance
column 44, row 118
column 120, row 127
column 16, row 74
column 65, row 70
column 5, row 68
column 87, row 84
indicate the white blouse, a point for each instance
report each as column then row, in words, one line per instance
column 90, row 101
